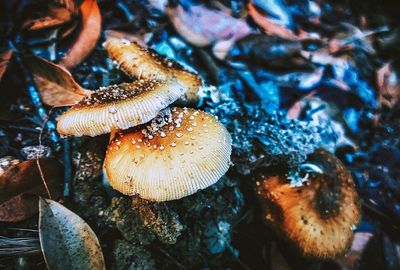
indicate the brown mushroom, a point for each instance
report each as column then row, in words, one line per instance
column 175, row 155
column 119, row 107
column 318, row 217
column 145, row 63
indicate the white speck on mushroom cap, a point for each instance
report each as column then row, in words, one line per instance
column 177, row 162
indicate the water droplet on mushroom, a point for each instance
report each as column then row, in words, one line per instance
column 162, row 147
column 112, row 109
column 179, row 135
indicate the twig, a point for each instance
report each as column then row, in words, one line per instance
column 38, row 163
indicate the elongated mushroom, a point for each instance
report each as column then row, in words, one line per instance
column 317, row 218
column 143, row 63
column 180, row 152
column 119, row 107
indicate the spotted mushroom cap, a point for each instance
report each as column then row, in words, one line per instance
column 119, row 107
column 317, row 218
column 145, row 63
column 178, row 153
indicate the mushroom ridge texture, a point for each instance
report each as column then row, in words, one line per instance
column 178, row 153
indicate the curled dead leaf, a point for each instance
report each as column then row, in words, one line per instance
column 389, row 86
column 201, row 26
column 54, row 14
column 270, row 52
column 268, row 26
column 4, row 61
column 88, row 36
column 26, row 176
column 66, row 240
column 21, row 184
column 56, row 85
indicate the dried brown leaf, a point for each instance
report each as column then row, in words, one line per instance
column 26, row 176
column 201, row 26
column 389, row 86
column 21, row 184
column 4, row 61
column 56, row 14
column 88, row 36
column 56, row 85
column 268, row 26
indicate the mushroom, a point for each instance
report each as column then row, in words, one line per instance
column 318, row 217
column 119, row 107
column 178, row 153
column 146, row 63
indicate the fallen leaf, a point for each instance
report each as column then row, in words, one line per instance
column 88, row 36
column 66, row 240
column 276, row 10
column 56, row 85
column 55, row 14
column 389, row 86
column 270, row 52
column 4, row 61
column 25, row 176
column 201, row 26
column 22, row 184
column 159, row 4
column 268, row 26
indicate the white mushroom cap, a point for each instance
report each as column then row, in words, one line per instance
column 119, row 107
column 174, row 156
